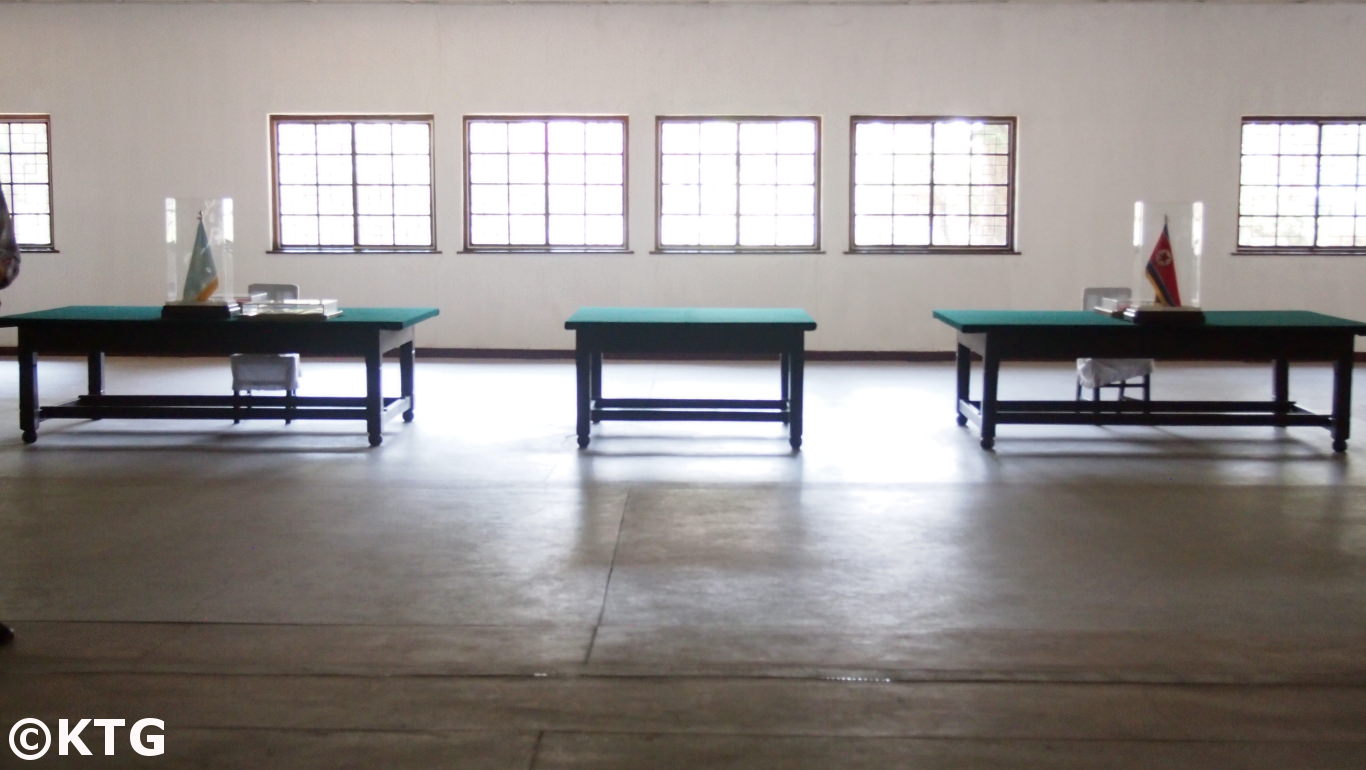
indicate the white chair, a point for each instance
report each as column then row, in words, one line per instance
column 267, row 371
column 1118, row 373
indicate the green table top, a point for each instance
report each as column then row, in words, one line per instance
column 975, row 321
column 390, row 317
column 587, row 316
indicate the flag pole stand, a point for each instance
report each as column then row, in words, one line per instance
column 1163, row 315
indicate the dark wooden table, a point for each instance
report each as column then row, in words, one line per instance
column 95, row 331
column 1279, row 336
column 661, row 331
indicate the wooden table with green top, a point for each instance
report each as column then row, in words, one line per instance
column 667, row 331
column 95, row 331
column 1277, row 336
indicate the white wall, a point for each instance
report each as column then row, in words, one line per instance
column 1115, row 101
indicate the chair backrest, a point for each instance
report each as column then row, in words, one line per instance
column 275, row 291
column 1092, row 295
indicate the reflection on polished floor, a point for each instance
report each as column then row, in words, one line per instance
column 478, row 593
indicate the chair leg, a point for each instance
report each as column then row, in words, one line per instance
column 236, row 404
column 1147, row 387
column 289, row 407
column 6, row 634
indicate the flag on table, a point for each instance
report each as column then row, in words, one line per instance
column 9, row 246
column 1161, row 271
column 201, row 279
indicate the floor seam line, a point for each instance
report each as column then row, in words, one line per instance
column 536, row 750
column 607, row 586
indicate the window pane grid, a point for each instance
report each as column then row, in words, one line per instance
column 1302, row 185
column 26, row 179
column 933, row 183
column 545, row 183
column 353, row 183
column 737, row 184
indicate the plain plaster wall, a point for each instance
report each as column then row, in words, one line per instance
column 1116, row 102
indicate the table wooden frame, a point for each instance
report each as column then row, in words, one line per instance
column 690, row 332
column 1276, row 336
column 95, row 331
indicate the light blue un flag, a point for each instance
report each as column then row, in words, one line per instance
column 201, row 279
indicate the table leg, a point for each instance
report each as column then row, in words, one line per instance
column 1280, row 388
column 595, row 383
column 405, row 374
column 784, row 374
column 94, row 373
column 6, row 634
column 374, row 396
column 796, row 369
column 1342, row 399
column 991, row 369
column 583, row 371
column 964, row 361
column 28, row 395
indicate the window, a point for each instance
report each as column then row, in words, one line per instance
column 738, row 184
column 545, row 184
column 1302, row 187
column 932, row 184
column 353, row 183
column 26, row 178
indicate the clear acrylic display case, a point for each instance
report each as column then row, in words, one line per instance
column 199, row 268
column 1184, row 222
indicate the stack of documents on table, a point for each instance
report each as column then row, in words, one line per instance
column 301, row 309
column 1112, row 306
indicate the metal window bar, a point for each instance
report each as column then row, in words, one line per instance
column 930, row 244
column 934, row 186
column 277, row 121
column 546, row 245
column 9, row 122
column 738, row 122
column 1314, row 248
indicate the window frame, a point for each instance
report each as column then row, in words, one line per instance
column 1009, row 247
column 815, row 248
column 547, row 247
column 46, row 120
column 356, row 248
column 1319, row 120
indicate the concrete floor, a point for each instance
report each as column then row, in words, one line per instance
column 478, row 593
